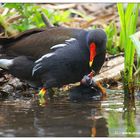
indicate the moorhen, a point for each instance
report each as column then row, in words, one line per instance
column 55, row 56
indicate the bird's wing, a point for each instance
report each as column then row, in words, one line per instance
column 6, row 40
column 58, row 51
column 35, row 42
column 67, row 43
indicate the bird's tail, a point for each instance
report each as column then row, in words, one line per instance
column 4, row 43
column 6, row 63
column 7, row 41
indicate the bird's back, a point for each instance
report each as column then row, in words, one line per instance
column 37, row 43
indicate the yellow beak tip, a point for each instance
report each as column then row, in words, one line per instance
column 90, row 63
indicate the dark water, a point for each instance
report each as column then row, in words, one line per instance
column 109, row 117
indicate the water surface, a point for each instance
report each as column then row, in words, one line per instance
column 108, row 117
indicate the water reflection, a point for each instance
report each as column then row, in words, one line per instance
column 113, row 117
column 129, row 116
column 99, row 128
column 123, row 117
column 57, row 119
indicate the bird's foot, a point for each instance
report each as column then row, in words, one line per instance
column 98, row 84
column 101, row 88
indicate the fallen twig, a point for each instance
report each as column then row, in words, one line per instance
column 14, row 18
column 46, row 20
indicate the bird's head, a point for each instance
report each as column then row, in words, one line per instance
column 97, row 46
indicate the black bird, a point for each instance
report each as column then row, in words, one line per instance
column 54, row 57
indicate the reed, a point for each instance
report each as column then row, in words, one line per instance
column 128, row 21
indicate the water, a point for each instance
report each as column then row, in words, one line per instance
column 106, row 118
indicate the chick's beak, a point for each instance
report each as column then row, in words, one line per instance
column 92, row 53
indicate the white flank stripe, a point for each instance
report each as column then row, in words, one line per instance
column 34, row 70
column 58, row 46
column 44, row 56
column 71, row 39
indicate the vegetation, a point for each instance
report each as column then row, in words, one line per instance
column 27, row 16
column 128, row 21
column 112, row 38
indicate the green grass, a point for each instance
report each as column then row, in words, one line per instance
column 112, row 39
column 128, row 21
column 31, row 17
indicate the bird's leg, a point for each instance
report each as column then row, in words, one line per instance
column 98, row 84
column 42, row 97
column 44, row 94
column 101, row 88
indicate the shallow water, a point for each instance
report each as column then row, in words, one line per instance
column 62, row 118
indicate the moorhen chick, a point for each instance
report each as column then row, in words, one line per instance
column 54, row 57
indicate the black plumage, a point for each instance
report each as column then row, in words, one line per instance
column 53, row 57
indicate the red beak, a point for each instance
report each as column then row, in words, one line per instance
column 92, row 53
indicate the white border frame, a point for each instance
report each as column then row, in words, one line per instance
column 69, row 1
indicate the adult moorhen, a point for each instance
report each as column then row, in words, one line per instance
column 55, row 56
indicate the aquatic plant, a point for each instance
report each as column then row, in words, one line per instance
column 129, row 115
column 128, row 20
